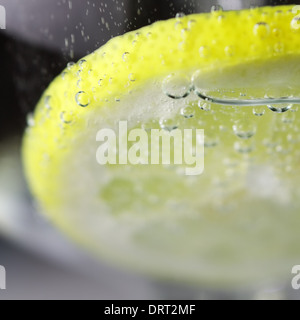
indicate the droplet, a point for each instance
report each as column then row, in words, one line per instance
column 204, row 105
column 82, row 99
column 65, row 118
column 295, row 23
column 261, row 29
column 63, row 75
column 244, row 129
column 280, row 108
column 168, row 124
column 216, row 8
column 204, row 51
column 100, row 82
column 176, row 86
column 125, row 56
column 188, row 112
column 259, row 111
column 70, row 65
column 180, row 15
column 30, row 120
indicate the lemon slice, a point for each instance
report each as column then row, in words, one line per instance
column 237, row 223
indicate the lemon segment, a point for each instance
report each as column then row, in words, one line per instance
column 229, row 226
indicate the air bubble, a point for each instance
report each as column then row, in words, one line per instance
column 216, row 8
column 278, row 47
column 184, row 32
column 204, row 105
column 168, row 124
column 82, row 99
column 261, row 29
column 30, row 120
column 244, row 129
column 176, row 86
column 229, row 51
column 70, row 65
column 211, row 139
column 191, row 23
column 288, row 117
column 180, row 15
column 65, row 118
column 47, row 102
column 63, row 75
column 295, row 23
column 244, row 146
column 259, row 111
column 187, row 112
column 125, row 56
column 178, row 25
column 277, row 32
column 204, row 51
column 152, row 124
column 132, row 77
column 280, row 108
column 82, row 63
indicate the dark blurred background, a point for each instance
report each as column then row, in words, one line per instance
column 41, row 37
